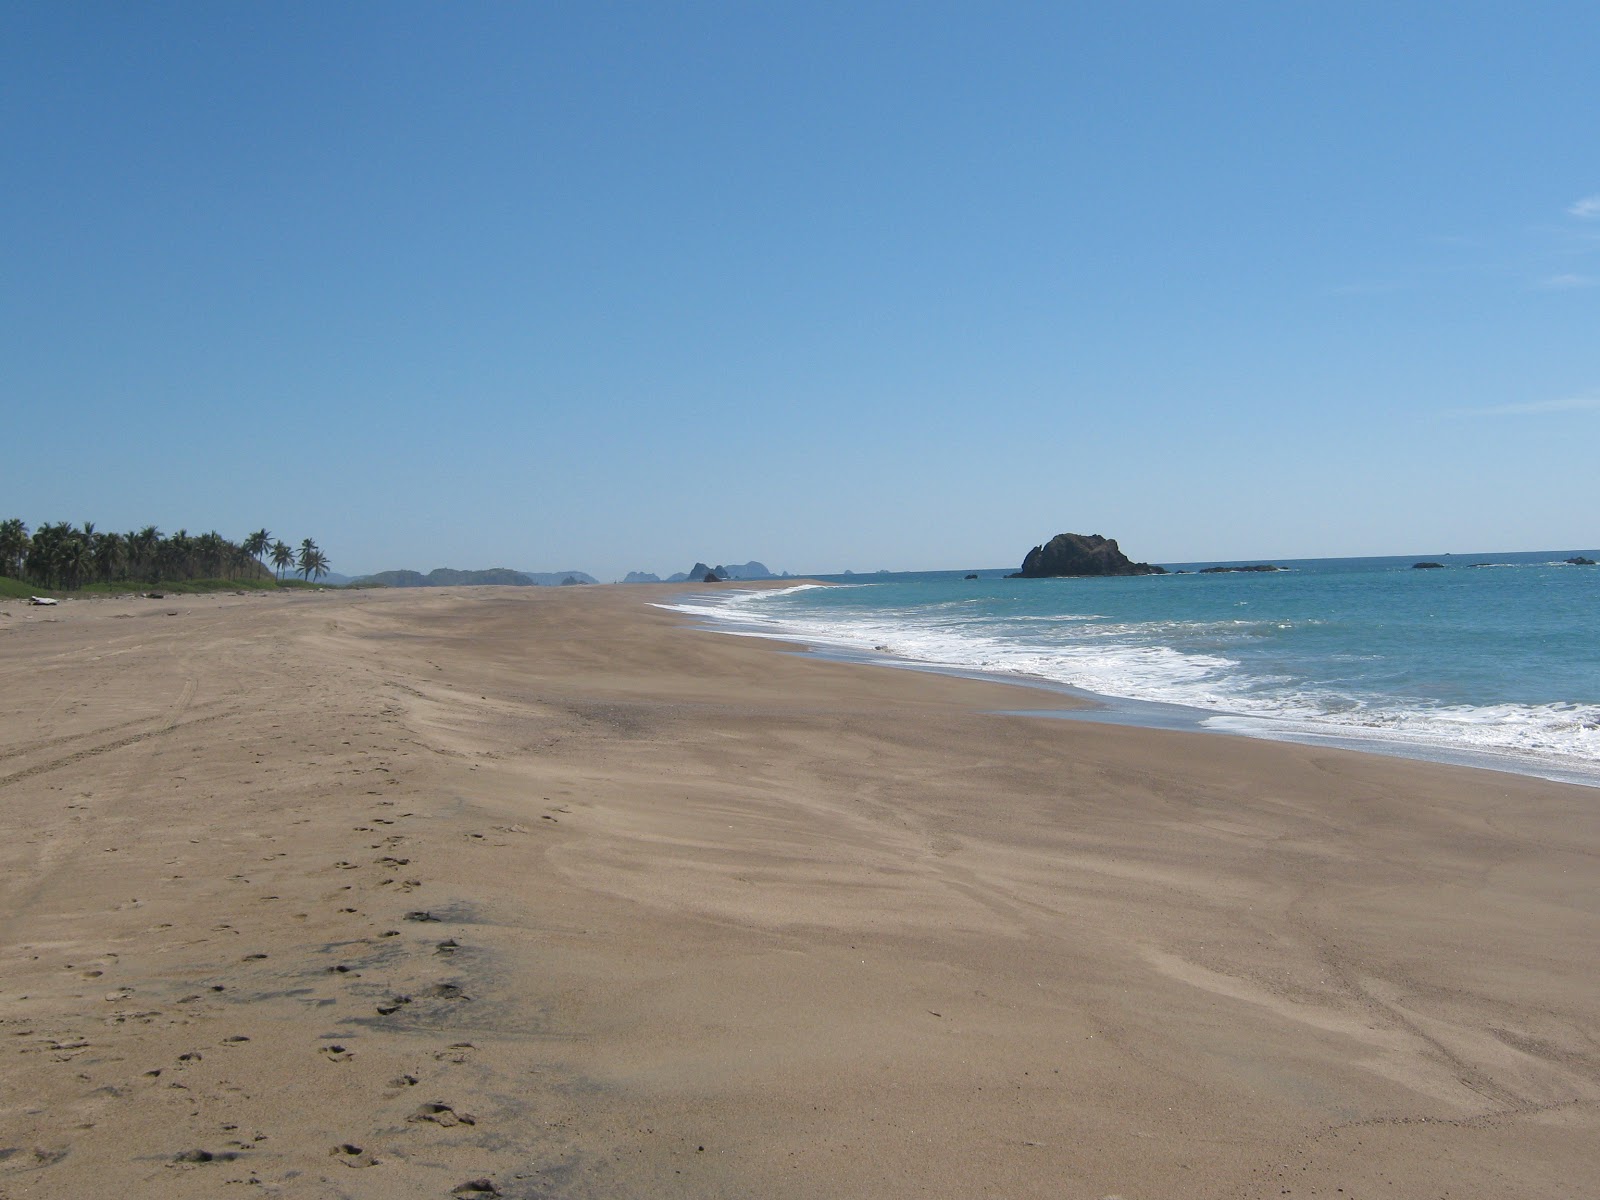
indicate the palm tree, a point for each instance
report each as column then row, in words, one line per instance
column 319, row 564
column 110, row 553
column 211, row 554
column 282, row 557
column 256, row 544
column 142, row 548
column 79, row 560
column 175, row 557
column 13, row 546
column 308, row 553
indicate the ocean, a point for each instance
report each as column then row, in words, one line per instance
column 1493, row 661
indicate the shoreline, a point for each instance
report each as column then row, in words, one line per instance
column 382, row 894
column 1086, row 705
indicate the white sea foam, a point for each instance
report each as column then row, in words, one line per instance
column 1137, row 661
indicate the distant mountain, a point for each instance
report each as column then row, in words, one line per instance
column 494, row 576
column 641, row 577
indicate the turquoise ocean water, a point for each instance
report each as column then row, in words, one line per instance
column 1493, row 661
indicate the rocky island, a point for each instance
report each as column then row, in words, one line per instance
column 1078, row 554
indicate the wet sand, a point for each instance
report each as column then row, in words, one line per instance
column 540, row 893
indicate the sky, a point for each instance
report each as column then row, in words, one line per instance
column 622, row 286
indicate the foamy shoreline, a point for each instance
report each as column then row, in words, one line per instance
column 1552, row 742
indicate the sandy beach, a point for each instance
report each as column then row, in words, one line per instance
column 543, row 893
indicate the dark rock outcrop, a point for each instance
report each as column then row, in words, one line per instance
column 1077, row 554
column 1258, row 568
column 1579, row 560
column 1427, row 566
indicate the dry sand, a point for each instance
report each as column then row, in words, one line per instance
column 538, row 893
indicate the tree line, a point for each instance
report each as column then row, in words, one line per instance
column 66, row 556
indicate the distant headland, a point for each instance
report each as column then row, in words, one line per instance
column 446, row 577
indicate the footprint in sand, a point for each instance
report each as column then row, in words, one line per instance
column 456, row 1052
column 336, row 1053
column 204, row 1156
column 393, row 1005
column 353, row 1156
column 443, row 1115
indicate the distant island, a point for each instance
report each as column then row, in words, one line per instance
column 1073, row 555
column 750, row 570
column 1259, row 567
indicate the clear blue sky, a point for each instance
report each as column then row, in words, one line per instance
column 854, row 285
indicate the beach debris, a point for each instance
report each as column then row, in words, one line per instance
column 43, row 601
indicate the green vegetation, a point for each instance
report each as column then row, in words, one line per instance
column 66, row 557
column 15, row 589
